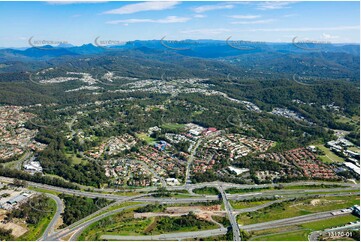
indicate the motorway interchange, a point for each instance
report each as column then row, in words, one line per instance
column 73, row 231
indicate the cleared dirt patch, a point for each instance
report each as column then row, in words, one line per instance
column 17, row 230
column 193, row 209
column 204, row 212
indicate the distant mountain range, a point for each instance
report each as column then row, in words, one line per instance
column 193, row 48
column 195, row 57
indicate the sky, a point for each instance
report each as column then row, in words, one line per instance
column 81, row 23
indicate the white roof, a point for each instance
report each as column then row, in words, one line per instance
column 353, row 167
column 238, row 170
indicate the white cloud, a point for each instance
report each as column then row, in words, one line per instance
column 245, row 16
column 339, row 28
column 290, row 15
column 206, row 8
column 329, row 36
column 263, row 21
column 141, row 7
column 206, row 31
column 73, row 2
column 167, row 20
column 199, row 16
column 273, row 5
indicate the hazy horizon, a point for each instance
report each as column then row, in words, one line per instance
column 274, row 22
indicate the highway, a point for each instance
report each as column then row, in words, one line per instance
column 75, row 231
column 51, row 226
column 222, row 231
column 231, row 217
column 291, row 221
column 101, row 192
column 174, row 236
column 240, row 186
column 255, row 208
column 236, row 197
column 314, row 235
column 67, row 191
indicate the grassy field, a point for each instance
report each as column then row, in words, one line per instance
column 121, row 224
column 301, row 232
column 329, row 156
column 245, row 204
column 329, row 223
column 292, row 187
column 297, row 208
column 44, row 190
column 173, row 126
column 206, row 191
column 17, row 162
column 308, row 187
column 353, row 120
column 247, row 190
column 300, row 235
column 146, row 138
column 222, row 220
column 354, row 149
column 76, row 160
column 125, row 224
column 37, row 230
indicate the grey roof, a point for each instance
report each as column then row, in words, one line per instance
column 17, row 199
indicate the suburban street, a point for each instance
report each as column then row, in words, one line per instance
column 190, row 161
column 161, row 179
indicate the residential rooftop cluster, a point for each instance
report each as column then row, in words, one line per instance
column 113, row 146
column 164, row 163
column 284, row 112
column 130, row 173
column 84, row 77
column 238, row 145
column 310, row 165
column 301, row 162
column 15, row 139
